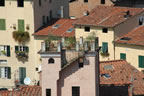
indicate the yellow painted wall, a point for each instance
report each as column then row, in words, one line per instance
column 103, row 37
column 132, row 52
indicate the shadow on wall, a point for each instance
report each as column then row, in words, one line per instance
column 67, row 72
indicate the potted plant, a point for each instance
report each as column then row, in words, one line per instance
column 22, row 55
column 3, row 52
column 21, row 36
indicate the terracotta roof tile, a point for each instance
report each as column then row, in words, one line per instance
column 23, row 91
column 136, row 37
column 121, row 74
column 65, row 24
column 108, row 16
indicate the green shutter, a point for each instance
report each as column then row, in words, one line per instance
column 141, row 61
column 22, row 74
column 8, row 51
column 27, row 49
column 16, row 48
column 21, row 26
column 2, row 24
column 104, row 47
column 9, row 72
column 123, row 56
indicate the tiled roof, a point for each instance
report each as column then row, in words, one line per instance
column 122, row 73
column 23, row 91
column 135, row 37
column 107, row 16
column 64, row 25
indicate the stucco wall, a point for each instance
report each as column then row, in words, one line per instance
column 79, row 6
column 46, row 7
column 132, row 52
column 12, row 13
column 103, row 37
column 75, row 76
column 50, row 75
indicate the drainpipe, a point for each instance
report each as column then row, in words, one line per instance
column 97, row 72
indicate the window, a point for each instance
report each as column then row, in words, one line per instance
column 5, row 72
column 76, row 91
column 102, row 1
column 50, row 1
column 50, row 15
column 96, row 42
column 81, row 62
column 2, row 24
column 39, row 2
column 105, row 30
column 47, row 19
column 21, row 25
column 141, row 61
column 141, row 20
column 123, row 56
column 43, row 20
column 56, row 26
column 87, row 29
column 4, row 50
column 85, row 1
column 21, row 48
column 22, row 74
column 70, row 30
column 2, row 2
column 104, row 47
column 51, row 60
column 20, row 3
column 48, row 92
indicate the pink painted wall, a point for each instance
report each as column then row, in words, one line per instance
column 75, row 76
column 50, row 75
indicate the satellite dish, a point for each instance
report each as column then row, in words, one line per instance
column 27, row 81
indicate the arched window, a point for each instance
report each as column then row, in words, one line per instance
column 51, row 60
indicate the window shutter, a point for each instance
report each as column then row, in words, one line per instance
column 22, row 74
column 141, row 61
column 8, row 51
column 9, row 73
column 27, row 49
column 21, row 26
column 123, row 56
column 104, row 47
column 2, row 24
column 16, row 48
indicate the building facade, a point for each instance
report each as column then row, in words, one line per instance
column 108, row 23
column 20, row 59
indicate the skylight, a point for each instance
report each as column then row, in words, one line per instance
column 106, row 75
column 108, row 67
column 70, row 30
column 56, row 26
column 125, row 38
